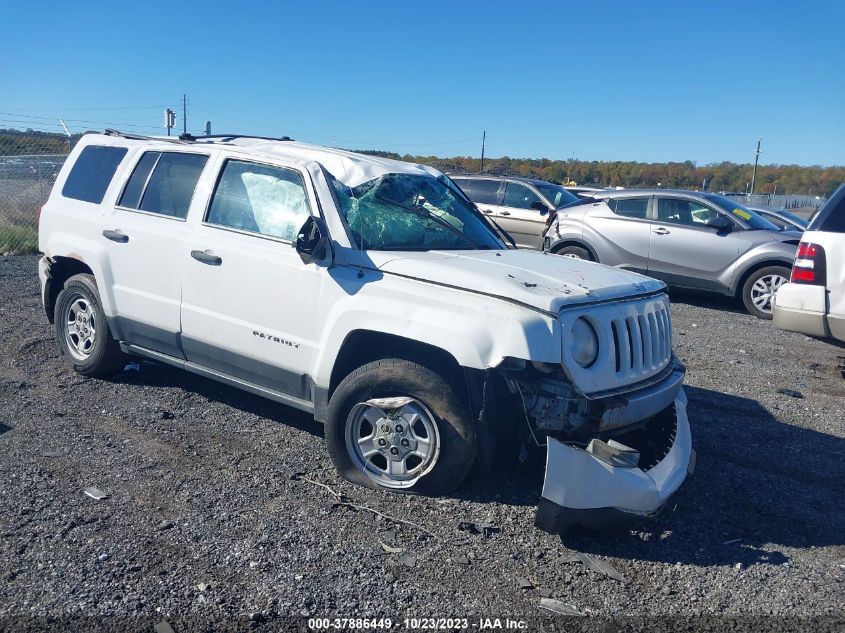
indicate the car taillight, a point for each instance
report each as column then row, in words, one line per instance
column 809, row 266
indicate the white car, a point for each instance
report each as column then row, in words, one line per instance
column 373, row 294
column 813, row 302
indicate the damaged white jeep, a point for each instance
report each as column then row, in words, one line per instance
column 373, row 294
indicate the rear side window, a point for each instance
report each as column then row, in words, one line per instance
column 630, row 207
column 164, row 183
column 92, row 172
column 831, row 217
column 480, row 191
column 260, row 199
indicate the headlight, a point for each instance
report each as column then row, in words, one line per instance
column 584, row 346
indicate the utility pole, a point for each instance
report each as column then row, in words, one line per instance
column 756, row 158
column 185, row 113
column 483, row 141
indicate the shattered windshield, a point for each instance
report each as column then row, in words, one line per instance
column 410, row 212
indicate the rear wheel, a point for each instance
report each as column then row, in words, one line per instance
column 759, row 290
column 394, row 424
column 575, row 252
column 82, row 333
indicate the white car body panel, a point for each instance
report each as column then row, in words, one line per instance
column 579, row 480
column 813, row 309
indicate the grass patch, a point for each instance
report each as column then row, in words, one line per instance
column 16, row 239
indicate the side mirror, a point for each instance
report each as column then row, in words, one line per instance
column 539, row 206
column 312, row 240
column 720, row 223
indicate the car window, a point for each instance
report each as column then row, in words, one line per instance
column 520, row 197
column 260, row 199
column 778, row 222
column 630, row 207
column 92, row 172
column 480, row 191
column 686, row 212
column 831, row 216
column 164, row 183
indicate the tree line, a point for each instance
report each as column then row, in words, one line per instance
column 724, row 176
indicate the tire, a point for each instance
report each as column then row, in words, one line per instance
column 82, row 332
column 575, row 252
column 754, row 295
column 448, row 421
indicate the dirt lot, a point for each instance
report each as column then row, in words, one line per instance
column 205, row 526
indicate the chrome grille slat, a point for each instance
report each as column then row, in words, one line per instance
column 642, row 342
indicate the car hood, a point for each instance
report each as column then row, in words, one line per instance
column 542, row 281
column 789, row 237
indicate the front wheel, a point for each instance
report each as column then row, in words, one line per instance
column 394, row 424
column 758, row 291
column 575, row 252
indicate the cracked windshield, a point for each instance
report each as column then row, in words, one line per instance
column 408, row 212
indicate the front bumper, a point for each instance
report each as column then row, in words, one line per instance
column 582, row 490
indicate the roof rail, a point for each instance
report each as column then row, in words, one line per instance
column 182, row 138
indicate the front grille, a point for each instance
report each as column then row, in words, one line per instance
column 642, row 343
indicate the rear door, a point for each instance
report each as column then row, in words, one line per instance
column 521, row 214
column 686, row 252
column 145, row 236
column 620, row 231
column 248, row 300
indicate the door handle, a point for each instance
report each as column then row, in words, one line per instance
column 488, row 212
column 207, row 258
column 662, row 231
column 116, row 236
column 506, row 212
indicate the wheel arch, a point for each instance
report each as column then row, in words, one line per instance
column 60, row 270
column 570, row 241
column 752, row 268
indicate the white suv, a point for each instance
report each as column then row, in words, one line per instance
column 813, row 302
column 373, row 294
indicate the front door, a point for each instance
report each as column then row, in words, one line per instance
column 248, row 300
column 522, row 215
column 684, row 251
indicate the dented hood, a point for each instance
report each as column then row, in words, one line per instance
column 545, row 282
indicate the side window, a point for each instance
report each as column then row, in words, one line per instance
column 92, row 172
column 260, row 199
column 163, row 182
column 630, row 207
column 684, row 212
column 520, row 197
column 481, row 191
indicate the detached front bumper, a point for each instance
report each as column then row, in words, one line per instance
column 584, row 490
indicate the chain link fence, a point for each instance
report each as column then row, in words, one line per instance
column 29, row 164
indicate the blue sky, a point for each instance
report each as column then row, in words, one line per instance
column 599, row 80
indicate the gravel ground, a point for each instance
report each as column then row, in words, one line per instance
column 205, row 526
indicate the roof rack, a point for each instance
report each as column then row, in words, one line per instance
column 182, row 138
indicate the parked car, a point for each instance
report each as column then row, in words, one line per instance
column 374, row 295
column 583, row 191
column 521, row 206
column 813, row 302
column 781, row 218
column 688, row 239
